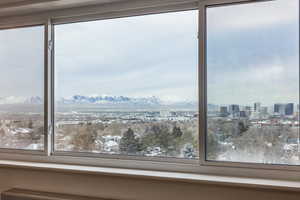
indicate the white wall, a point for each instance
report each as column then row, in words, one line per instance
column 131, row 188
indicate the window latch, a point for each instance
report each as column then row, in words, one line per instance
column 50, row 128
column 50, row 45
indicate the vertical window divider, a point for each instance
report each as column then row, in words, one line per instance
column 52, row 85
column 48, row 88
column 202, row 81
column 299, row 81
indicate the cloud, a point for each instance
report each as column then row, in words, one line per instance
column 252, row 15
column 253, row 53
column 136, row 56
column 252, row 56
column 269, row 83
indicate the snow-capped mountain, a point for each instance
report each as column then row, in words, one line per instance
column 124, row 101
column 12, row 100
column 104, row 99
column 34, row 100
column 21, row 100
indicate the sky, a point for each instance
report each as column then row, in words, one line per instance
column 153, row 55
column 22, row 62
column 252, row 56
column 253, row 53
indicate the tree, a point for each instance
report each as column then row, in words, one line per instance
column 176, row 132
column 129, row 144
column 36, row 134
column 213, row 148
column 188, row 151
column 242, row 127
column 263, row 144
column 30, row 124
column 159, row 136
column 84, row 139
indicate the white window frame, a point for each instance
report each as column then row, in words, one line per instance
column 97, row 17
column 50, row 19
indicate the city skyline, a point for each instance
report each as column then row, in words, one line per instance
column 252, row 105
column 256, row 111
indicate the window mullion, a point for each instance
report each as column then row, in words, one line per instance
column 48, row 88
column 202, row 81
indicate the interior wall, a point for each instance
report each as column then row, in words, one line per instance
column 131, row 188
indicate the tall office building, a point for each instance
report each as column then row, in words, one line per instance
column 276, row 107
column 284, row 109
column 289, row 109
column 234, row 110
column 257, row 107
column 279, row 108
column 243, row 114
column 248, row 110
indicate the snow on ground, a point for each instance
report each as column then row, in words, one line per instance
column 20, row 131
column 35, row 147
column 111, row 146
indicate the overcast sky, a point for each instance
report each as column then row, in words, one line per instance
column 252, row 56
column 253, row 53
column 154, row 55
column 22, row 62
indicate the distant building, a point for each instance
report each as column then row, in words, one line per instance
column 248, row 110
column 289, row 109
column 279, row 108
column 234, row 110
column 264, row 110
column 243, row 114
column 257, row 107
column 284, row 109
column 276, row 108
column 224, row 111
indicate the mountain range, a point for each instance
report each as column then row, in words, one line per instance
column 105, row 99
column 21, row 100
column 97, row 100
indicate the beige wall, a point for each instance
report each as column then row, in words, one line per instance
column 131, row 188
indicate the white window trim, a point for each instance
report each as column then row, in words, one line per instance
column 201, row 166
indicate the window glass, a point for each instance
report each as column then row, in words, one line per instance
column 22, row 88
column 128, row 86
column 253, row 82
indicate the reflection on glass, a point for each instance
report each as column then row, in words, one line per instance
column 21, row 88
column 128, row 86
column 253, row 83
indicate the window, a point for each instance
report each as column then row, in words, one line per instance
column 253, row 82
column 22, row 88
column 128, row 86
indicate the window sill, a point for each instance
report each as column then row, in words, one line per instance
column 158, row 175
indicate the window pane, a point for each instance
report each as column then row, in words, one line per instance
column 128, row 86
column 21, row 88
column 253, row 82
